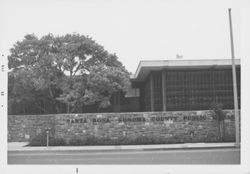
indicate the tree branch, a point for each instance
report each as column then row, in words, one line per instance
column 77, row 68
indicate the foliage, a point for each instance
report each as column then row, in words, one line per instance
column 57, row 142
column 219, row 115
column 41, row 140
column 89, row 140
column 217, row 109
column 53, row 72
column 102, row 82
column 139, row 140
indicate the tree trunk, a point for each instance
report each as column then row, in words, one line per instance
column 44, row 106
column 68, row 107
column 219, row 136
column 57, row 108
column 222, row 130
column 23, row 109
column 40, row 107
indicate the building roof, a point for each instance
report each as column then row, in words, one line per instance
column 146, row 66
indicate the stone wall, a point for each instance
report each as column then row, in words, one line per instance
column 180, row 126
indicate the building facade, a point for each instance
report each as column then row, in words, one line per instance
column 178, row 85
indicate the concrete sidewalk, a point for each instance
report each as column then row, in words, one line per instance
column 21, row 146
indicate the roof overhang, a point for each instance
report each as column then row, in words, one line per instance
column 145, row 67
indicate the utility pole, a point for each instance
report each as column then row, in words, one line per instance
column 236, row 111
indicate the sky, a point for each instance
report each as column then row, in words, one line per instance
column 134, row 30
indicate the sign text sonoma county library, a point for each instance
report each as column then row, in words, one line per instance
column 138, row 119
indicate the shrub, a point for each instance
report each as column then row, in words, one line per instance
column 38, row 140
column 76, row 142
column 144, row 140
column 41, row 140
column 217, row 110
column 89, row 140
column 219, row 115
column 57, row 142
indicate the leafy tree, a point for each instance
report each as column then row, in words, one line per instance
column 52, row 71
column 31, row 66
column 102, row 82
column 219, row 115
column 80, row 54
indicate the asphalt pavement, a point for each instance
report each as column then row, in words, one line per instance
column 188, row 153
column 178, row 156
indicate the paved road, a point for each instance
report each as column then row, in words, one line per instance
column 194, row 156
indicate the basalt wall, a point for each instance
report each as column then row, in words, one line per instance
column 176, row 126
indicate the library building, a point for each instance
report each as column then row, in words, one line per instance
column 179, row 85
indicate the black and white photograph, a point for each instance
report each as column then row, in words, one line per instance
column 128, row 86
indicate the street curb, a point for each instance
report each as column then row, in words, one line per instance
column 194, row 148
column 114, row 150
column 124, row 148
